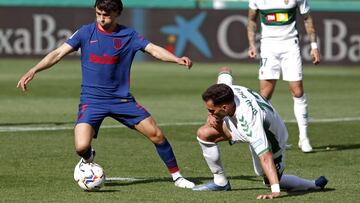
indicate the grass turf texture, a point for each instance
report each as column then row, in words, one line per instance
column 37, row 166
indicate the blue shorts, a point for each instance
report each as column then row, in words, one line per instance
column 127, row 112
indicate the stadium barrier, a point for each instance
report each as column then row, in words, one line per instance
column 317, row 5
column 203, row 34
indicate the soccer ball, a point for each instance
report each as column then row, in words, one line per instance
column 89, row 176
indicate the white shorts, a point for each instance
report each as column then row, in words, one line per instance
column 282, row 56
column 279, row 162
column 276, row 127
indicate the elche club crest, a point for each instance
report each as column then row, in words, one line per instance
column 286, row 2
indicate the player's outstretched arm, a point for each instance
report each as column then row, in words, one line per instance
column 251, row 32
column 48, row 61
column 310, row 30
column 268, row 166
column 164, row 55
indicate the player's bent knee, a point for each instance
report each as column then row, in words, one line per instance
column 81, row 149
column 203, row 133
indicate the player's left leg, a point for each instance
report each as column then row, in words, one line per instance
column 295, row 183
column 301, row 114
column 293, row 72
column 289, row 183
column 149, row 128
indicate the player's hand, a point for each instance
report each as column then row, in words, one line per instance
column 25, row 79
column 185, row 61
column 214, row 122
column 269, row 196
column 252, row 52
column 315, row 54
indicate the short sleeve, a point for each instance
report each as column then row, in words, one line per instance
column 252, row 4
column 259, row 141
column 139, row 42
column 304, row 7
column 75, row 39
column 257, row 136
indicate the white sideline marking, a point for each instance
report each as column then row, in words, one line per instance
column 55, row 128
column 122, row 179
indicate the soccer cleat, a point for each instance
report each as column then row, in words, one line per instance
column 211, row 186
column 93, row 155
column 304, row 145
column 321, row 182
column 181, row 182
column 91, row 159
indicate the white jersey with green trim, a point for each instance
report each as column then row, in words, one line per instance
column 256, row 122
column 278, row 18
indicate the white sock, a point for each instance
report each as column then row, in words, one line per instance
column 225, row 78
column 295, row 183
column 211, row 153
column 301, row 115
column 176, row 175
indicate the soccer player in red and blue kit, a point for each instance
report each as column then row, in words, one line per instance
column 107, row 52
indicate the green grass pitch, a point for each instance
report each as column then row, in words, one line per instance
column 36, row 140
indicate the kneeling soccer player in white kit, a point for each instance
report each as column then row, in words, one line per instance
column 238, row 114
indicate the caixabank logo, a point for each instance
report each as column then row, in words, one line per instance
column 204, row 35
column 217, row 36
column 184, row 32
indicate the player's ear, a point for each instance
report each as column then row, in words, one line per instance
column 227, row 107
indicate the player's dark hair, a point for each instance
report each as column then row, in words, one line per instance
column 109, row 5
column 219, row 94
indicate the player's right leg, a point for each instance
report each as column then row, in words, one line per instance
column 267, row 88
column 270, row 69
column 84, row 134
column 90, row 117
column 208, row 137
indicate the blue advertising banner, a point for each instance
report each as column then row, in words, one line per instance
column 203, row 34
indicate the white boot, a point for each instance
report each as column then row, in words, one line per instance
column 181, row 182
column 304, row 145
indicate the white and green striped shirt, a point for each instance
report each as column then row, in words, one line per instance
column 278, row 18
column 253, row 120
